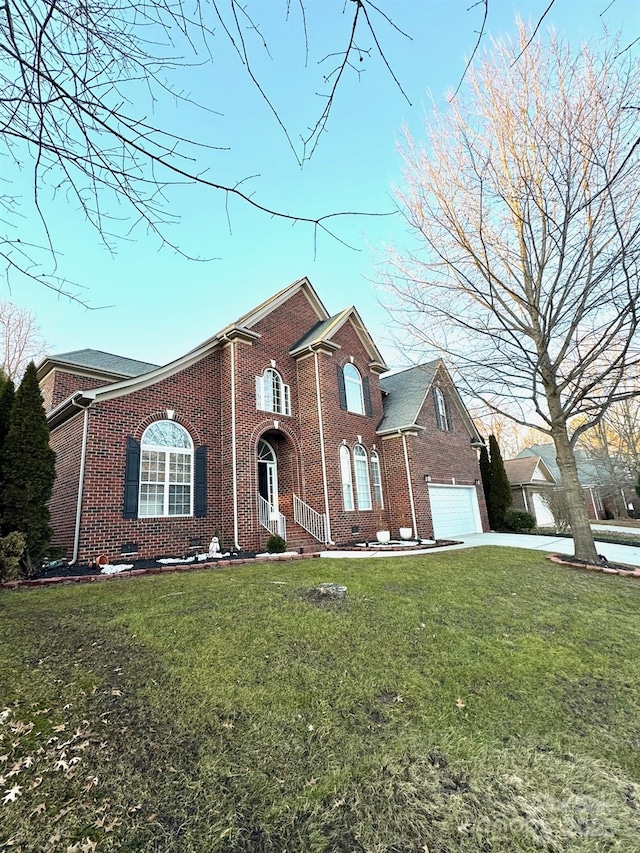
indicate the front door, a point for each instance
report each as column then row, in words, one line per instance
column 268, row 474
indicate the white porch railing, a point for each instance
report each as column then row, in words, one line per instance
column 271, row 519
column 313, row 522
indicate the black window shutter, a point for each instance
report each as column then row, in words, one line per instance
column 366, row 393
column 200, row 497
column 341, row 389
column 131, row 479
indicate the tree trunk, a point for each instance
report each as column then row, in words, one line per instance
column 583, row 544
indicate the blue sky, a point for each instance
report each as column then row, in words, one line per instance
column 161, row 304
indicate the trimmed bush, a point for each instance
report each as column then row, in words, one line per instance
column 11, row 550
column 276, row 544
column 518, row 519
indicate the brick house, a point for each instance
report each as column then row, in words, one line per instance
column 280, row 422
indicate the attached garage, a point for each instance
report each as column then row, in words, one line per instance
column 454, row 510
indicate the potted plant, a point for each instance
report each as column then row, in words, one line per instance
column 406, row 530
column 383, row 534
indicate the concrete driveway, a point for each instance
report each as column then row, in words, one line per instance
column 627, row 554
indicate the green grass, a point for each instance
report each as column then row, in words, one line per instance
column 469, row 701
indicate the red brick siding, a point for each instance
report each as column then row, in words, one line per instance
column 66, row 440
column 194, row 396
column 201, row 397
column 59, row 384
column 443, row 455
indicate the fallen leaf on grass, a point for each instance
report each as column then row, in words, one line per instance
column 36, row 783
column 60, row 728
column 116, row 692
column 91, row 782
column 460, row 703
column 41, row 807
column 11, row 794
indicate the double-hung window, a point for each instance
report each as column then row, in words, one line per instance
column 376, row 479
column 345, row 476
column 363, row 487
column 166, row 471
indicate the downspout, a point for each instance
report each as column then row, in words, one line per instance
column 524, row 499
column 234, row 455
column 409, row 485
column 83, row 457
column 322, row 453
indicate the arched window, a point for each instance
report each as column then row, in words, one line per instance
column 345, row 476
column 376, row 479
column 353, row 389
column 166, row 470
column 363, row 487
column 443, row 415
column 272, row 395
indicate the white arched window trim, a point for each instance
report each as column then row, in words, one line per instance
column 166, row 471
column 353, row 389
column 345, row 476
column 363, row 486
column 272, row 395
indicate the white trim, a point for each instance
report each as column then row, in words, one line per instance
column 410, row 486
column 234, row 454
column 83, row 457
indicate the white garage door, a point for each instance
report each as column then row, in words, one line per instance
column 454, row 510
column 541, row 510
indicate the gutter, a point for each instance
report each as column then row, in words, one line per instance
column 83, row 458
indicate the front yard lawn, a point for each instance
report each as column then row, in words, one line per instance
column 481, row 700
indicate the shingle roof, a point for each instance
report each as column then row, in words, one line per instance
column 103, row 362
column 318, row 332
column 589, row 472
column 521, row 470
column 406, row 391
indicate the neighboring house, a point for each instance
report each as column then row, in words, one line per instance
column 280, row 422
column 532, row 485
column 589, row 474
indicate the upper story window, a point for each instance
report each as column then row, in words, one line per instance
column 166, row 471
column 363, row 487
column 272, row 395
column 353, row 390
column 376, row 479
column 345, row 476
column 443, row 412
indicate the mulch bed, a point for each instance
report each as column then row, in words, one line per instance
column 604, row 567
column 89, row 574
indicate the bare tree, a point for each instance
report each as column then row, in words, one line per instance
column 20, row 339
column 525, row 208
column 80, row 80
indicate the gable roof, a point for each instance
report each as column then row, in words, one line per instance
column 322, row 334
column 96, row 361
column 240, row 329
column 521, row 471
column 589, row 472
column 404, row 395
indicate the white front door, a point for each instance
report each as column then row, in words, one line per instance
column 268, row 477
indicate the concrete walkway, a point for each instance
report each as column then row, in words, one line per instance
column 627, row 554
